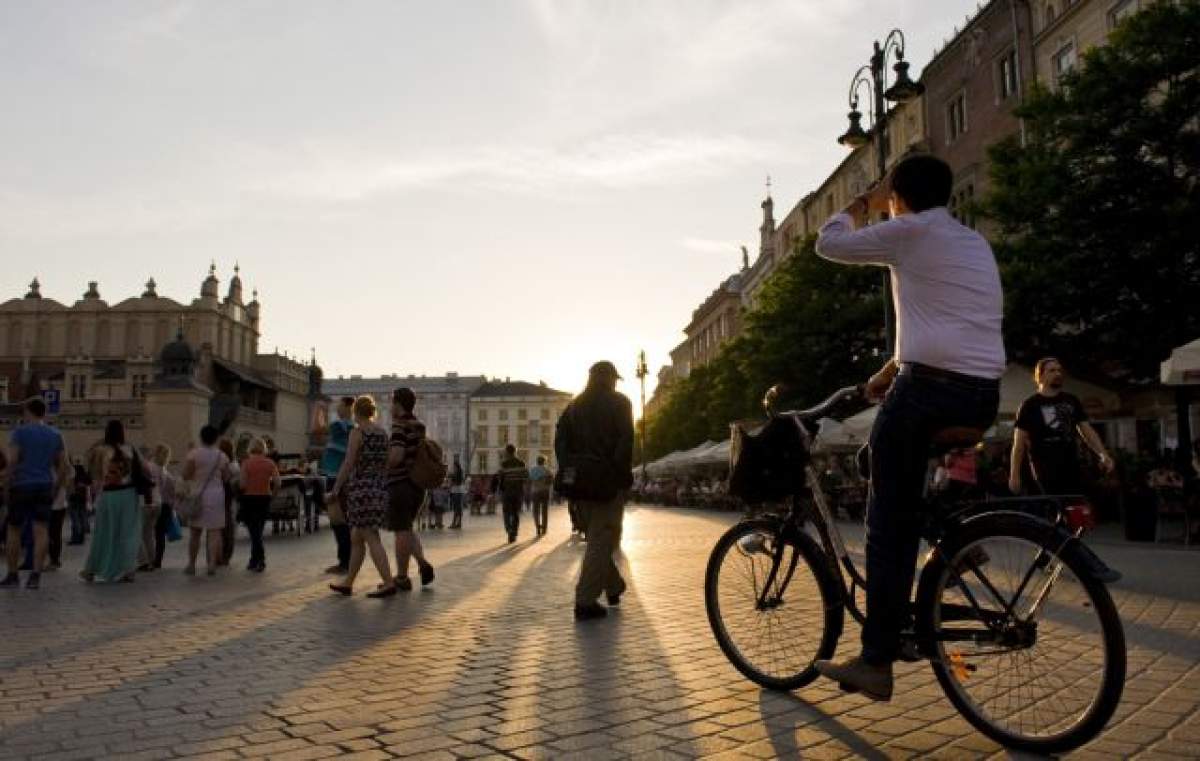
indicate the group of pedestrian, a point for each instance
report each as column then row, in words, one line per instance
column 130, row 503
column 373, row 489
column 369, row 484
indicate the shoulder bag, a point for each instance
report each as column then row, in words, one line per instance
column 188, row 505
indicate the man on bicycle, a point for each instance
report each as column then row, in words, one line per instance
column 945, row 373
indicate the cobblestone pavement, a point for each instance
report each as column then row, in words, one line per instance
column 488, row 663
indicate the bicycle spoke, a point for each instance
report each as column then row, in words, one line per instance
column 780, row 637
column 1033, row 674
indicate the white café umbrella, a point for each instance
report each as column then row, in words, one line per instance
column 1182, row 368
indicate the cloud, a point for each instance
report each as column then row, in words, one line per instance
column 336, row 173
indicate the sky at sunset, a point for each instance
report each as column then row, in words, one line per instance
column 507, row 187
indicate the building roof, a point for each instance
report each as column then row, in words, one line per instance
column 437, row 384
column 493, row 389
column 244, row 374
column 941, row 53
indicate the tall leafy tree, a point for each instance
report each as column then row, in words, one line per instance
column 816, row 326
column 1097, row 215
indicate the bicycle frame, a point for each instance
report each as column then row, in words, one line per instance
column 850, row 578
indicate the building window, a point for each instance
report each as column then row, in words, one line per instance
column 956, row 117
column 3, row 390
column 504, row 414
column 545, row 414
column 78, row 386
column 482, row 416
column 1050, row 14
column 138, row 386
column 547, row 438
column 1063, row 60
column 505, row 435
column 961, row 204
column 1007, row 73
column 521, row 414
column 1122, row 11
column 483, row 462
column 522, row 436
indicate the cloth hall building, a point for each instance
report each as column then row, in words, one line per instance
column 163, row 367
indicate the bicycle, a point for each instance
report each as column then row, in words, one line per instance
column 1010, row 612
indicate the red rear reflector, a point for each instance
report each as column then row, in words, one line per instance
column 1080, row 516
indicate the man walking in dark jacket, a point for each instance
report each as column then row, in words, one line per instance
column 510, row 481
column 594, row 445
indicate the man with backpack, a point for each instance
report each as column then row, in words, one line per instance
column 594, row 445
column 405, row 495
column 510, row 482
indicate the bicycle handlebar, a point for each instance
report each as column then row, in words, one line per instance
column 819, row 411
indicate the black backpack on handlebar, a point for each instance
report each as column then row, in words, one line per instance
column 767, row 465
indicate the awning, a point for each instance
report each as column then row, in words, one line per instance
column 1182, row 368
column 244, row 374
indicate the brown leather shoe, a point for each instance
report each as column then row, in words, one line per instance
column 856, row 675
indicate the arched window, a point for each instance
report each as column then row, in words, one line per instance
column 1050, row 14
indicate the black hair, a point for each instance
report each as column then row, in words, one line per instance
column 347, row 400
column 405, row 397
column 541, row 460
column 510, row 449
column 114, row 436
column 923, row 182
column 36, row 407
column 209, row 435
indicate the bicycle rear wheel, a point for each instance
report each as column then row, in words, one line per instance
column 1045, row 677
column 776, row 642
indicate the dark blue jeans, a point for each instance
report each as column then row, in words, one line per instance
column 917, row 406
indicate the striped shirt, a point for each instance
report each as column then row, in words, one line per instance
column 407, row 433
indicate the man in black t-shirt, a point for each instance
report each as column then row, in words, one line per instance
column 1046, row 427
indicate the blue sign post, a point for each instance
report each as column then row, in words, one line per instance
column 51, row 397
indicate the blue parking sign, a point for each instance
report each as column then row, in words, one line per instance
column 51, row 397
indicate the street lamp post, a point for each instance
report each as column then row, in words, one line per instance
column 641, row 373
column 874, row 76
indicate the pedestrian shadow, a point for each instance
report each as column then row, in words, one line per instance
column 302, row 658
column 233, row 643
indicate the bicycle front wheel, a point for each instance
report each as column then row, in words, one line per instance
column 1026, row 643
column 772, row 604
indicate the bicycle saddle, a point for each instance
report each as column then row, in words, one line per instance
column 956, row 437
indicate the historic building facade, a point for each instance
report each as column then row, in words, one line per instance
column 1065, row 29
column 972, row 86
column 513, row 412
column 111, row 361
column 443, row 403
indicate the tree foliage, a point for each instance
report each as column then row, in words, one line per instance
column 1098, row 213
column 816, row 326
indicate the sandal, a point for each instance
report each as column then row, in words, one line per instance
column 388, row 591
column 342, row 589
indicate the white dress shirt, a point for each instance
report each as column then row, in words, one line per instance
column 945, row 286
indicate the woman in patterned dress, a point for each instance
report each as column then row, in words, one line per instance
column 362, row 485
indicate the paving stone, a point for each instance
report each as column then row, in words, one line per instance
column 489, row 664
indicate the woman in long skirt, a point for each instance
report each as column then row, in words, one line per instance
column 118, row 471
